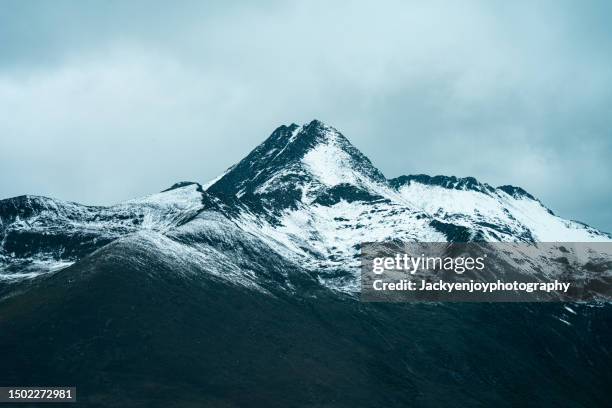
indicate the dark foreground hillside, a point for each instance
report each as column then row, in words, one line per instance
column 129, row 331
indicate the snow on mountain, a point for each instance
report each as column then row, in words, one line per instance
column 305, row 194
column 314, row 196
column 505, row 213
column 296, row 164
column 40, row 234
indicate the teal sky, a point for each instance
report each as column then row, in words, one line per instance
column 103, row 101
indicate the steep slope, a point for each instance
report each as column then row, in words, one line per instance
column 296, row 164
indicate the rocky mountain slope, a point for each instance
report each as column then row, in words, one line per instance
column 39, row 234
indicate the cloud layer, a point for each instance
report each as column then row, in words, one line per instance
column 106, row 101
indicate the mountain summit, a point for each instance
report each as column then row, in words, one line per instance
column 296, row 164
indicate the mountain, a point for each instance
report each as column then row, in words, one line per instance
column 306, row 192
column 243, row 292
column 310, row 189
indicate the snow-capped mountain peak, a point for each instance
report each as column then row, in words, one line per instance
column 298, row 164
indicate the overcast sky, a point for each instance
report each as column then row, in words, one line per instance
column 104, row 101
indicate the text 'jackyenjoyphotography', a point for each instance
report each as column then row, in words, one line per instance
column 485, row 272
